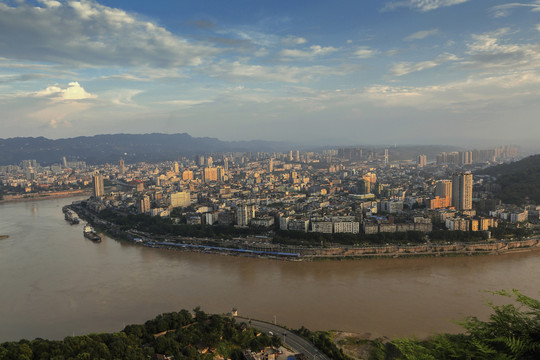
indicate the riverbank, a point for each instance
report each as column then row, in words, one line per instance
column 44, row 195
column 250, row 247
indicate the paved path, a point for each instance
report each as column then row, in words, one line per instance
column 297, row 343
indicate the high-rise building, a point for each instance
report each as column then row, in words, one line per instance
column 442, row 158
column 226, row 163
column 462, row 184
column 187, row 175
column 199, row 160
column 180, row 199
column 465, row 157
column 143, row 204
column 365, row 185
column 99, row 190
column 385, row 157
column 121, row 167
column 244, row 213
column 176, row 167
column 220, row 173
column 421, row 160
column 210, row 174
column 443, row 189
column 271, row 165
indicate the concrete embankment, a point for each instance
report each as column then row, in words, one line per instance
column 495, row 247
column 299, row 253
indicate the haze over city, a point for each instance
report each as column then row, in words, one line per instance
column 459, row 72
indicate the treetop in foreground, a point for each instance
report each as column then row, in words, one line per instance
column 511, row 332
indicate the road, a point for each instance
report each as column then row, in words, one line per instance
column 291, row 340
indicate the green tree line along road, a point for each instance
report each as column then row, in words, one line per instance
column 289, row 339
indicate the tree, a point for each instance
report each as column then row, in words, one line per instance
column 512, row 332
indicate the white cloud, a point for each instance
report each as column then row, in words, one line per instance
column 314, row 50
column 74, row 91
column 504, row 9
column 421, row 34
column 405, row 68
column 293, row 40
column 488, row 51
column 422, row 5
column 365, row 52
column 86, row 33
column 51, row 3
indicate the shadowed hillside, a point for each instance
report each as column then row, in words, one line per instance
column 520, row 180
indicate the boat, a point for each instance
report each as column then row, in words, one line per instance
column 89, row 233
column 71, row 217
column 2, row 237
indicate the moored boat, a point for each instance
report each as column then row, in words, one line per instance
column 89, row 233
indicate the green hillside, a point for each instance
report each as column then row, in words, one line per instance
column 520, row 180
column 175, row 334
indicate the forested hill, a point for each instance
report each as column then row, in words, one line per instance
column 177, row 335
column 520, row 180
column 101, row 149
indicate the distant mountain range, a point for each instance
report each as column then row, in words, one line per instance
column 101, row 149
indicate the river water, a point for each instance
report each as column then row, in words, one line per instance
column 56, row 283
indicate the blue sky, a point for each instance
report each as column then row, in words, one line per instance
column 462, row 72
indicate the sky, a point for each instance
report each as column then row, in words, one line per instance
column 454, row 72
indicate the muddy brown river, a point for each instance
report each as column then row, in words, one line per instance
column 55, row 283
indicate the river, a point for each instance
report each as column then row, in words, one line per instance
column 56, row 283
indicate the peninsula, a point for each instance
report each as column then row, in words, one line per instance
column 337, row 203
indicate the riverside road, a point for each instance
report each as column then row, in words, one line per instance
column 291, row 340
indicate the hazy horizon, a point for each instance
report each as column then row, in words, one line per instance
column 453, row 72
column 313, row 144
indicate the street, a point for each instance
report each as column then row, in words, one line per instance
column 291, row 340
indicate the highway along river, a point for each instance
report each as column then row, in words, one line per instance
column 56, row 283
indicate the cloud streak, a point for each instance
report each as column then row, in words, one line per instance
column 312, row 51
column 419, row 35
column 505, row 9
column 404, row 68
column 421, row 5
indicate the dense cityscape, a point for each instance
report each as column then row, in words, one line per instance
column 353, row 191
column 269, row 180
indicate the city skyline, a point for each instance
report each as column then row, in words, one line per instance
column 437, row 71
